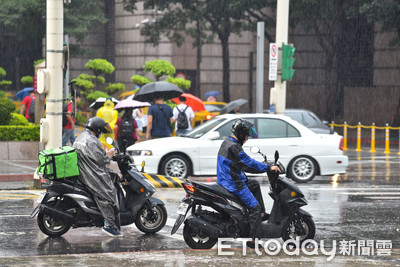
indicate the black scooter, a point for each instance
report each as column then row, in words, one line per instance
column 69, row 204
column 217, row 213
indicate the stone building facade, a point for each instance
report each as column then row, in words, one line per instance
column 376, row 102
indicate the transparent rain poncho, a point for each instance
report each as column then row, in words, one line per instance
column 92, row 161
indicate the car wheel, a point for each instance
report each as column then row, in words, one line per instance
column 302, row 169
column 176, row 166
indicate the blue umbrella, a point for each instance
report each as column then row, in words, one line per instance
column 24, row 92
column 213, row 93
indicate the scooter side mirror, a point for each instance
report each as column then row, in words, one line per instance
column 254, row 149
column 276, row 156
column 110, row 141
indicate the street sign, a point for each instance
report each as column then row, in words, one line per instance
column 273, row 61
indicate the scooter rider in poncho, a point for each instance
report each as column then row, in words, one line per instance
column 231, row 165
column 92, row 161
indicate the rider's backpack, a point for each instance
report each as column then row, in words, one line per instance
column 182, row 121
column 126, row 128
column 31, row 111
column 58, row 163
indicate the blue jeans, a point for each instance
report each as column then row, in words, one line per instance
column 68, row 135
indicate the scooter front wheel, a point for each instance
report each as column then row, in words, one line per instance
column 151, row 221
column 302, row 227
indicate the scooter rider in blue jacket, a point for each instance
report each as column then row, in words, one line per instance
column 231, row 164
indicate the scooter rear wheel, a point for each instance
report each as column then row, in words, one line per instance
column 195, row 239
column 302, row 227
column 50, row 225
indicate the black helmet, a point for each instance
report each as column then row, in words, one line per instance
column 241, row 128
column 98, row 125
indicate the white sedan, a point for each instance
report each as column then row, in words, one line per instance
column 303, row 152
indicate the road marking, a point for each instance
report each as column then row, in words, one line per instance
column 383, row 198
column 163, row 181
column 369, row 193
column 17, row 196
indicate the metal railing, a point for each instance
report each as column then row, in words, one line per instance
column 373, row 128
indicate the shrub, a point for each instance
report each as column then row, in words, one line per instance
column 20, row 133
column 115, row 87
column 100, row 66
column 28, row 80
column 139, row 79
column 6, row 107
column 18, row 119
column 81, row 120
column 96, row 94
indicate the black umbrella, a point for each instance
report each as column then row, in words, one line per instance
column 232, row 105
column 153, row 90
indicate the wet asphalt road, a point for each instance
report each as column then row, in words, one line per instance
column 360, row 205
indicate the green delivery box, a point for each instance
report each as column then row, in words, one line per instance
column 58, row 163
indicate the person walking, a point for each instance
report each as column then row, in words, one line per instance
column 159, row 119
column 26, row 105
column 183, row 117
column 68, row 131
column 127, row 129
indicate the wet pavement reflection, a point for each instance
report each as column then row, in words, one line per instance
column 363, row 204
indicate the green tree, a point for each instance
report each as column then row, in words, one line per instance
column 160, row 68
column 23, row 27
column 3, row 83
column 386, row 13
column 343, row 32
column 202, row 20
column 28, row 80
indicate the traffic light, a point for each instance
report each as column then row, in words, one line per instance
column 287, row 62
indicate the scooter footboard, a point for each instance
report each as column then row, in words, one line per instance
column 273, row 230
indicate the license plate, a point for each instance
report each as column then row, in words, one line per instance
column 41, row 196
column 182, row 208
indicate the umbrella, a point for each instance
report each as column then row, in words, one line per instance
column 100, row 102
column 213, row 93
column 232, row 105
column 24, row 92
column 165, row 90
column 130, row 103
column 192, row 101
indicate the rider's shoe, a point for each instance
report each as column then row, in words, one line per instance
column 265, row 217
column 111, row 231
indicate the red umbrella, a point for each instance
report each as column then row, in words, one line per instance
column 192, row 101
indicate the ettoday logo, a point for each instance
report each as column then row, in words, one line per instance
column 309, row 247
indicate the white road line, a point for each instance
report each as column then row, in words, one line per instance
column 369, row 193
column 383, row 198
column 353, row 189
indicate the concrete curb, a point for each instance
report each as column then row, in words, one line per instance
column 15, row 177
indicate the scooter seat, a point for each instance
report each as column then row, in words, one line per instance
column 218, row 189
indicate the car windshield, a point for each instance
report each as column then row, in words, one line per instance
column 204, row 128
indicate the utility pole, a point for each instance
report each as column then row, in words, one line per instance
column 282, row 24
column 50, row 79
column 260, row 68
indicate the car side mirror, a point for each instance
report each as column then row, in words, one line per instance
column 213, row 135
